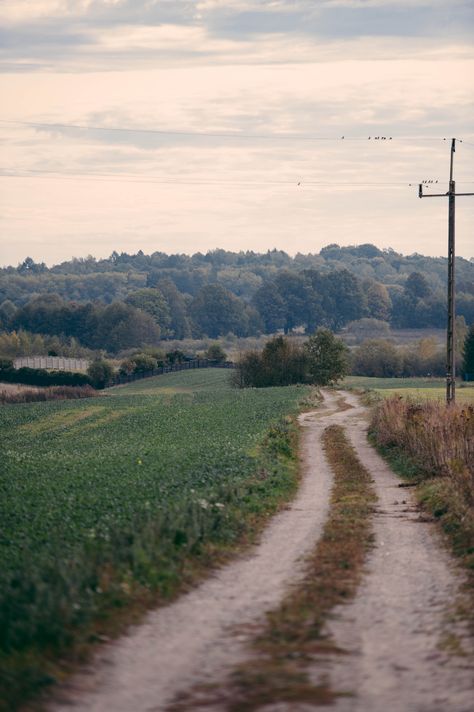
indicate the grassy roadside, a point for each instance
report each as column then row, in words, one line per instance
column 420, row 389
column 431, row 447
column 165, row 549
column 295, row 635
column 440, row 498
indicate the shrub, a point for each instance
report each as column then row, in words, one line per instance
column 321, row 360
column 158, row 354
column 377, row 357
column 100, row 372
column 41, row 377
column 176, row 356
column 139, row 363
column 215, row 352
column 281, row 363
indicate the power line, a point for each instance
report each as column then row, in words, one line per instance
column 219, row 134
column 195, row 181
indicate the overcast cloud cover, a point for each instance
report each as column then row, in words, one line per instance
column 265, row 90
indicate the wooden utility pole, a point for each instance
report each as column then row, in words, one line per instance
column 450, row 350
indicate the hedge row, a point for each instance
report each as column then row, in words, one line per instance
column 41, row 377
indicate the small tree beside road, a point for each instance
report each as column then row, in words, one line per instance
column 327, row 358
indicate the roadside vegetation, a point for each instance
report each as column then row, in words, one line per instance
column 320, row 360
column 419, row 389
column 433, row 446
column 110, row 505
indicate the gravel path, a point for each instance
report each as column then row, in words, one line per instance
column 392, row 629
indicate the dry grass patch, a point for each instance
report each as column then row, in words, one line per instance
column 432, row 445
column 32, row 394
column 62, row 419
column 440, row 438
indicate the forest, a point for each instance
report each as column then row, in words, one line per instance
column 127, row 301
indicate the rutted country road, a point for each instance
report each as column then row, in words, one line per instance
column 403, row 610
column 392, row 629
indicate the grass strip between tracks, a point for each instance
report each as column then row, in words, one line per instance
column 295, row 635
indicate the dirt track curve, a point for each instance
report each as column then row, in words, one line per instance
column 392, row 630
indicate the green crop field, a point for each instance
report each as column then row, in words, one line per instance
column 412, row 387
column 102, row 500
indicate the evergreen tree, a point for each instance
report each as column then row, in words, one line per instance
column 468, row 354
column 327, row 358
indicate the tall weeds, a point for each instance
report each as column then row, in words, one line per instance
column 438, row 438
column 436, row 443
column 46, row 394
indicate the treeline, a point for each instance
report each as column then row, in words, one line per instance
column 111, row 327
column 130, row 300
column 240, row 272
column 23, row 343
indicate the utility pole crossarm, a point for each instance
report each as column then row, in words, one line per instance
column 438, row 195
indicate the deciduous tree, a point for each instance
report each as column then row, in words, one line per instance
column 327, row 358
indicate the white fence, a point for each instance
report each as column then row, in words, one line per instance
column 58, row 363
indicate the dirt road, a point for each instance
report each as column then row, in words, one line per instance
column 392, row 630
column 402, row 617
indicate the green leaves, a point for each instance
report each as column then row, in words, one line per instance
column 100, row 496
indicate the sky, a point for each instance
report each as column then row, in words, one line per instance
column 178, row 126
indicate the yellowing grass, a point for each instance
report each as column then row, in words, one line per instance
column 414, row 388
column 463, row 395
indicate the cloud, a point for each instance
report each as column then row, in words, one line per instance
column 88, row 35
column 323, row 69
